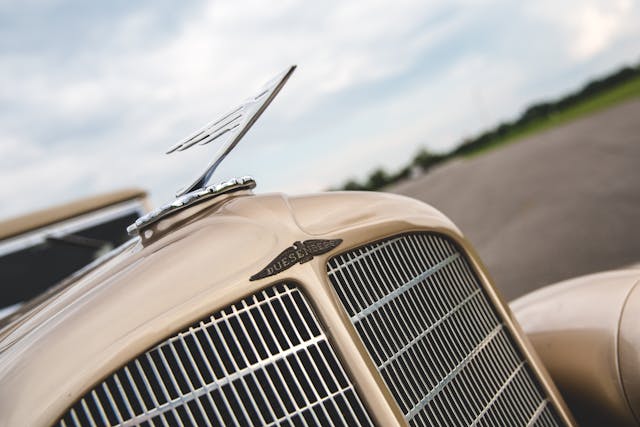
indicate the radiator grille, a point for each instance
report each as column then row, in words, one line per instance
column 262, row 361
column 433, row 334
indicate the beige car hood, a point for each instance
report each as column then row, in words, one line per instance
column 195, row 262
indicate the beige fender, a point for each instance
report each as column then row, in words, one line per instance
column 587, row 333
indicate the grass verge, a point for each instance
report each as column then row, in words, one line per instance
column 624, row 92
column 597, row 95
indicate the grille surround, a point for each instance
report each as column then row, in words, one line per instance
column 384, row 279
column 282, row 371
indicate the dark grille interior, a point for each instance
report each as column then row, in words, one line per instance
column 262, row 361
column 438, row 343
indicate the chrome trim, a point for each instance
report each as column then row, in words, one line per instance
column 264, row 360
column 234, row 125
column 70, row 226
column 434, row 336
column 8, row 311
column 190, row 199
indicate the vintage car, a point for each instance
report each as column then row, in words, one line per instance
column 343, row 308
column 61, row 240
column 587, row 333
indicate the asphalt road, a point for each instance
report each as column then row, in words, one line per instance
column 559, row 204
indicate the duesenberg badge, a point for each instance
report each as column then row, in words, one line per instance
column 299, row 252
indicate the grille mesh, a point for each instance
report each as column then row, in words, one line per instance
column 262, row 361
column 437, row 342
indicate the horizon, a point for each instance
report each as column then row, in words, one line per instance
column 90, row 114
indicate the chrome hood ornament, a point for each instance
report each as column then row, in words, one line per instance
column 190, row 199
column 232, row 126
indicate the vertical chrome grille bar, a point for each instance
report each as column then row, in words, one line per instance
column 269, row 380
column 222, row 340
column 305, row 373
column 112, row 403
column 174, row 383
column 167, row 396
column 262, row 361
column 281, row 330
column 149, row 389
column 97, row 402
column 135, row 392
column 434, row 335
column 220, row 363
column 273, row 334
column 123, row 395
column 247, row 362
column 87, row 413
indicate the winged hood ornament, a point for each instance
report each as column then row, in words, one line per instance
column 229, row 129
column 232, row 127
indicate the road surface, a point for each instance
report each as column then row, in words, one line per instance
column 561, row 203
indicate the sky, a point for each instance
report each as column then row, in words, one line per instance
column 93, row 93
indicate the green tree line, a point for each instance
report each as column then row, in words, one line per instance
column 425, row 159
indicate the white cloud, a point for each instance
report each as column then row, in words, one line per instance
column 590, row 26
column 101, row 118
column 439, row 115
